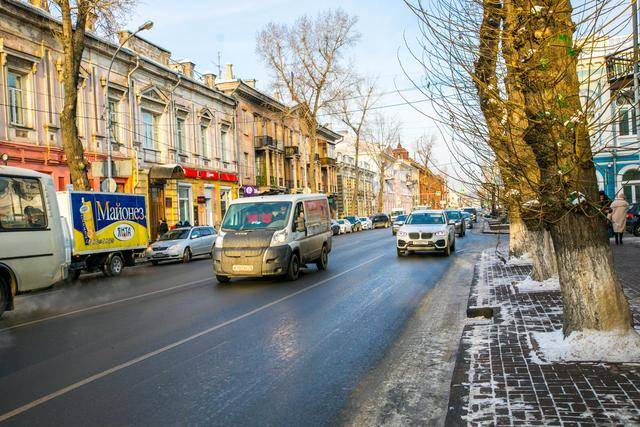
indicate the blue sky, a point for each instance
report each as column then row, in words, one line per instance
column 198, row 29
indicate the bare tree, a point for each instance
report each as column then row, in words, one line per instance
column 76, row 17
column 352, row 110
column 307, row 61
column 383, row 132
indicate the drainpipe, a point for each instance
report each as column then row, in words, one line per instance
column 636, row 68
column 132, row 120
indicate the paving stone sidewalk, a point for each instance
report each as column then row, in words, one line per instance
column 500, row 379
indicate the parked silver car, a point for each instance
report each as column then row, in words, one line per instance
column 182, row 244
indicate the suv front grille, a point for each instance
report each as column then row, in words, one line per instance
column 160, row 248
column 414, row 235
column 427, row 235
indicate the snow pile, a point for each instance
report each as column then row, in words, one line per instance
column 529, row 285
column 589, row 346
column 525, row 259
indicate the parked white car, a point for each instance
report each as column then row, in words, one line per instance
column 366, row 223
column 345, row 226
column 426, row 230
column 182, row 244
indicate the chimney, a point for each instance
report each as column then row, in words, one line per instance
column 187, row 67
column 209, row 80
column 40, row 4
column 228, row 72
column 251, row 83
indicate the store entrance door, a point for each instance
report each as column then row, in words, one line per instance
column 156, row 209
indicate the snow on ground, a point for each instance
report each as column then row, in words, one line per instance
column 525, row 259
column 588, row 346
column 530, row 285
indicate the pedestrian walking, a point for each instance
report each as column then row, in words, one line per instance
column 163, row 227
column 618, row 217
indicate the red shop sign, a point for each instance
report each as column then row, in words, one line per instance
column 208, row 174
column 231, row 177
column 190, row 173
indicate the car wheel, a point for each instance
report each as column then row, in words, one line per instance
column 74, row 275
column 636, row 231
column 114, row 265
column 447, row 250
column 4, row 295
column 323, row 261
column 186, row 256
column 222, row 279
column 293, row 272
column 154, row 262
column 400, row 252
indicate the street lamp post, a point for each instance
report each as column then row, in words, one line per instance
column 146, row 26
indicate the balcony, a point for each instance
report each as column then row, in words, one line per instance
column 316, row 157
column 620, row 65
column 290, row 152
column 327, row 161
column 264, row 142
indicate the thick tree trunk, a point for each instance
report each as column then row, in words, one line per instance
column 541, row 254
column 517, row 234
column 592, row 296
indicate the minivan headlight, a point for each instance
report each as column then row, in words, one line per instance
column 279, row 237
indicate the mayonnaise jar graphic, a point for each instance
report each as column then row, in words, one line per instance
column 88, row 226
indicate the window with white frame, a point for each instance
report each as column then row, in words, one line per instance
column 149, row 130
column 180, row 135
column 16, row 83
column 223, row 144
column 114, row 125
column 204, row 144
column 627, row 121
column 184, row 203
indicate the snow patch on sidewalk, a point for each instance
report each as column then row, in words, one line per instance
column 529, row 285
column 525, row 259
column 588, row 346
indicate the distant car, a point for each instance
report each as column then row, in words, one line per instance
column 468, row 219
column 399, row 222
column 457, row 220
column 633, row 219
column 335, row 227
column 426, row 230
column 473, row 212
column 182, row 244
column 345, row 226
column 355, row 222
column 366, row 223
column 380, row 220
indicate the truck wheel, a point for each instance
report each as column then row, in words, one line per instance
column 293, row 272
column 222, row 279
column 114, row 265
column 186, row 256
column 4, row 295
column 74, row 275
column 323, row 261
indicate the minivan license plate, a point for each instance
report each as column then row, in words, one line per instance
column 243, row 268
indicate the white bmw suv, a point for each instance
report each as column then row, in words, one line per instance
column 426, row 230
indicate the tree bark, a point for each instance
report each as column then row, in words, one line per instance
column 517, row 234
column 592, row 296
column 541, row 254
column 73, row 46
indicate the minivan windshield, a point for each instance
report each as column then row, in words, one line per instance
column 453, row 214
column 425, row 218
column 181, row 233
column 256, row 216
column 401, row 218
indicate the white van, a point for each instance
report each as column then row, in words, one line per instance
column 272, row 236
column 33, row 250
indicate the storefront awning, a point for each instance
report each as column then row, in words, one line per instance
column 166, row 172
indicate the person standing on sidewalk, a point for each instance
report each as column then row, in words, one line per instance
column 618, row 216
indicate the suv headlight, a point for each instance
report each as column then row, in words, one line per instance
column 401, row 233
column 279, row 237
column 440, row 233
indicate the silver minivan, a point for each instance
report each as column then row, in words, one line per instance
column 273, row 236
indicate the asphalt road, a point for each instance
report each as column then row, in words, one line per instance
column 168, row 345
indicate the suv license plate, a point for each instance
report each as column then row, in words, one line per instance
column 242, row 268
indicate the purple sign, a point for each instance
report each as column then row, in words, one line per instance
column 248, row 190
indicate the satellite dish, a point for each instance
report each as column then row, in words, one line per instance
column 109, row 185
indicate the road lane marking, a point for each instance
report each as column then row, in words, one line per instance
column 151, row 354
column 106, row 304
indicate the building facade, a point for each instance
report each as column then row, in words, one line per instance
column 171, row 132
column 350, row 195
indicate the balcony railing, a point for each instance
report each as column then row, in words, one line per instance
column 291, row 151
column 264, row 141
column 327, row 161
column 620, row 64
